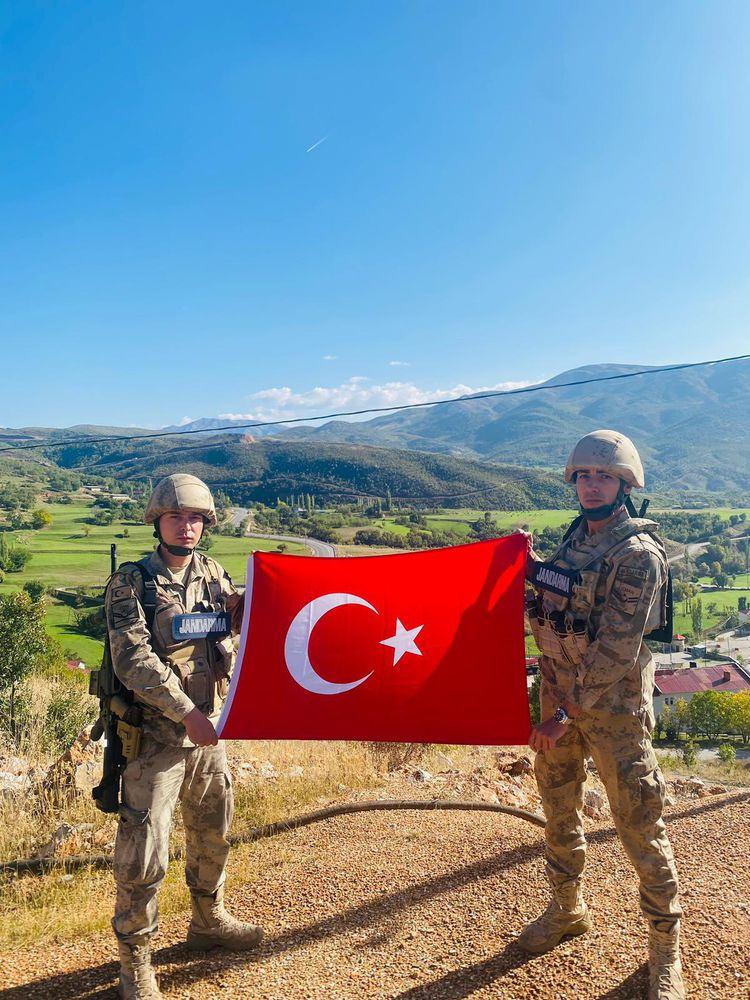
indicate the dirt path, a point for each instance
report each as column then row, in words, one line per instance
column 426, row 905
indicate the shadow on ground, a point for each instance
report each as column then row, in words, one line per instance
column 99, row 981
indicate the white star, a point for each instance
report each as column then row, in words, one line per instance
column 403, row 641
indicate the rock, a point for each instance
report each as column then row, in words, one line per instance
column 695, row 786
column 13, row 784
column 595, row 804
column 15, row 765
column 420, row 775
column 255, row 770
column 717, row 790
column 79, row 768
column 520, row 766
column 295, row 771
column 68, row 840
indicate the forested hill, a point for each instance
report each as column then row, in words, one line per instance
column 692, row 426
column 250, row 470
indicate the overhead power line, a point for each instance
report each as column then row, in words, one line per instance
column 372, row 409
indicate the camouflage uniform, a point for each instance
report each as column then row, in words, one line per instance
column 169, row 679
column 595, row 658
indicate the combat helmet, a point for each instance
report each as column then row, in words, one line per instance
column 612, row 452
column 608, row 451
column 181, row 492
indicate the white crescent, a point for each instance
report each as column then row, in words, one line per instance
column 296, row 646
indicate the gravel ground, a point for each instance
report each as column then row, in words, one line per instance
column 426, row 905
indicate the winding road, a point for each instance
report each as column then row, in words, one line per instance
column 317, row 547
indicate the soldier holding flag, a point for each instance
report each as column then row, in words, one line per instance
column 169, row 633
column 593, row 604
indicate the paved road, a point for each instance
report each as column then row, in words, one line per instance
column 693, row 549
column 317, row 547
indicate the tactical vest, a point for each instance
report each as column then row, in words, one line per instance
column 562, row 625
column 202, row 665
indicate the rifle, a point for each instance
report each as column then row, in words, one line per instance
column 120, row 719
column 120, row 723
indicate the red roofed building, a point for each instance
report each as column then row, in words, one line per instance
column 681, row 685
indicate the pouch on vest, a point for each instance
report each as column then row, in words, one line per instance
column 196, row 677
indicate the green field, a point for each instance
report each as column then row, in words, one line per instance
column 63, row 556
column 725, row 601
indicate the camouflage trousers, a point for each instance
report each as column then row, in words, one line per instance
column 621, row 748
column 152, row 785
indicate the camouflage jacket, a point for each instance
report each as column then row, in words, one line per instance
column 619, row 599
column 168, row 677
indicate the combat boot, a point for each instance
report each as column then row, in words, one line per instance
column 566, row 916
column 212, row 925
column 137, row 979
column 664, row 965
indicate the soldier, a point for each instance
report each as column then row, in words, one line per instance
column 180, row 684
column 597, row 683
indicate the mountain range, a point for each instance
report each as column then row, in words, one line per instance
column 691, row 427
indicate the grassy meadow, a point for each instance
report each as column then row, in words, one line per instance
column 63, row 555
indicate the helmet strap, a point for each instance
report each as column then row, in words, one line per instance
column 175, row 550
column 606, row 510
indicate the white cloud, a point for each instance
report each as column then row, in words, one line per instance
column 330, row 357
column 356, row 393
column 399, row 364
column 184, row 421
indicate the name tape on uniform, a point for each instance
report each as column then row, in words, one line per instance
column 548, row 576
column 201, row 624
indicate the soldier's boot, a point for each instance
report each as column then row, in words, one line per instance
column 566, row 916
column 212, row 925
column 137, row 979
column 664, row 965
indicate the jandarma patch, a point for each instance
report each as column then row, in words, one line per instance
column 548, row 576
column 199, row 625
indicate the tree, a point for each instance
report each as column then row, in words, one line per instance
column 710, row 713
column 40, row 518
column 696, row 613
column 739, row 715
column 23, row 644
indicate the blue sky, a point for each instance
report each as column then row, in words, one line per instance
column 505, row 191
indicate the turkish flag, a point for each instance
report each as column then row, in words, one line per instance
column 424, row 647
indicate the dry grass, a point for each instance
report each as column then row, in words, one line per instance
column 57, row 906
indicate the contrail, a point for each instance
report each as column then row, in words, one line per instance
column 316, row 144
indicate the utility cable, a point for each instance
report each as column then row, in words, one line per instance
column 377, row 409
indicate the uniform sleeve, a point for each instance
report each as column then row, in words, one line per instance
column 133, row 659
column 634, row 587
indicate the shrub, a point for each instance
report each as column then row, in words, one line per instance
column 727, row 753
column 690, row 753
column 51, row 713
column 91, row 623
column 36, row 589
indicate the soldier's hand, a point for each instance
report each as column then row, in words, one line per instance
column 545, row 735
column 531, row 556
column 235, row 605
column 200, row 729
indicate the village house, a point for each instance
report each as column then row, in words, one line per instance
column 680, row 685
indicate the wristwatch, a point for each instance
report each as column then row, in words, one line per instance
column 561, row 715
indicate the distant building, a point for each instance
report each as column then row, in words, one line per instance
column 680, row 685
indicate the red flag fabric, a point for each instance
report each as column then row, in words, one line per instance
column 424, row 647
